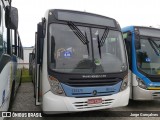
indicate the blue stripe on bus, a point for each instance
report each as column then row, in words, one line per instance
column 88, row 91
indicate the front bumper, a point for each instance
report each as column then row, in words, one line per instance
column 142, row 94
column 53, row 104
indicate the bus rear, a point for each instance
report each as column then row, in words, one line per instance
column 143, row 46
column 81, row 63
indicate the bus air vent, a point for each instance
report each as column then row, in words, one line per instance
column 85, row 105
column 92, row 82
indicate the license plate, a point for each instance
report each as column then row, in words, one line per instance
column 95, row 101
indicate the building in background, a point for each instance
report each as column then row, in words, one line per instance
column 27, row 50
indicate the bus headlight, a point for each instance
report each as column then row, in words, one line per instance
column 141, row 83
column 124, row 83
column 56, row 87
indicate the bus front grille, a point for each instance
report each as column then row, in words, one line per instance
column 85, row 105
column 92, row 82
column 156, row 95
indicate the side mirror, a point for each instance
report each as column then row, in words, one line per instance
column 43, row 27
column 0, row 15
column 39, row 41
column 11, row 17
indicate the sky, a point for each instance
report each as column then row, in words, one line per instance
column 126, row 12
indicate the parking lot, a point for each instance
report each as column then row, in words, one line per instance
column 25, row 102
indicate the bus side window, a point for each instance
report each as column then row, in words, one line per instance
column 128, row 41
column 4, row 41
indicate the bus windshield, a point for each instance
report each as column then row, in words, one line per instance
column 102, row 51
column 148, row 56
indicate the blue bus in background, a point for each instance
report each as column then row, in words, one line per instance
column 143, row 47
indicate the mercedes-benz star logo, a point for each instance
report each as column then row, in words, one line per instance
column 94, row 92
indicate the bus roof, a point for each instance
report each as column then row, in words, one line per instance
column 128, row 28
column 81, row 17
column 132, row 28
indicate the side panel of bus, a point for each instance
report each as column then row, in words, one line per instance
column 5, row 65
column 8, row 61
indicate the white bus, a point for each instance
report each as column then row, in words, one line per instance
column 81, row 63
column 11, row 54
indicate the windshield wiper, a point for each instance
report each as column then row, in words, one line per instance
column 99, row 46
column 104, row 36
column 157, row 46
column 154, row 46
column 102, row 41
column 79, row 34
